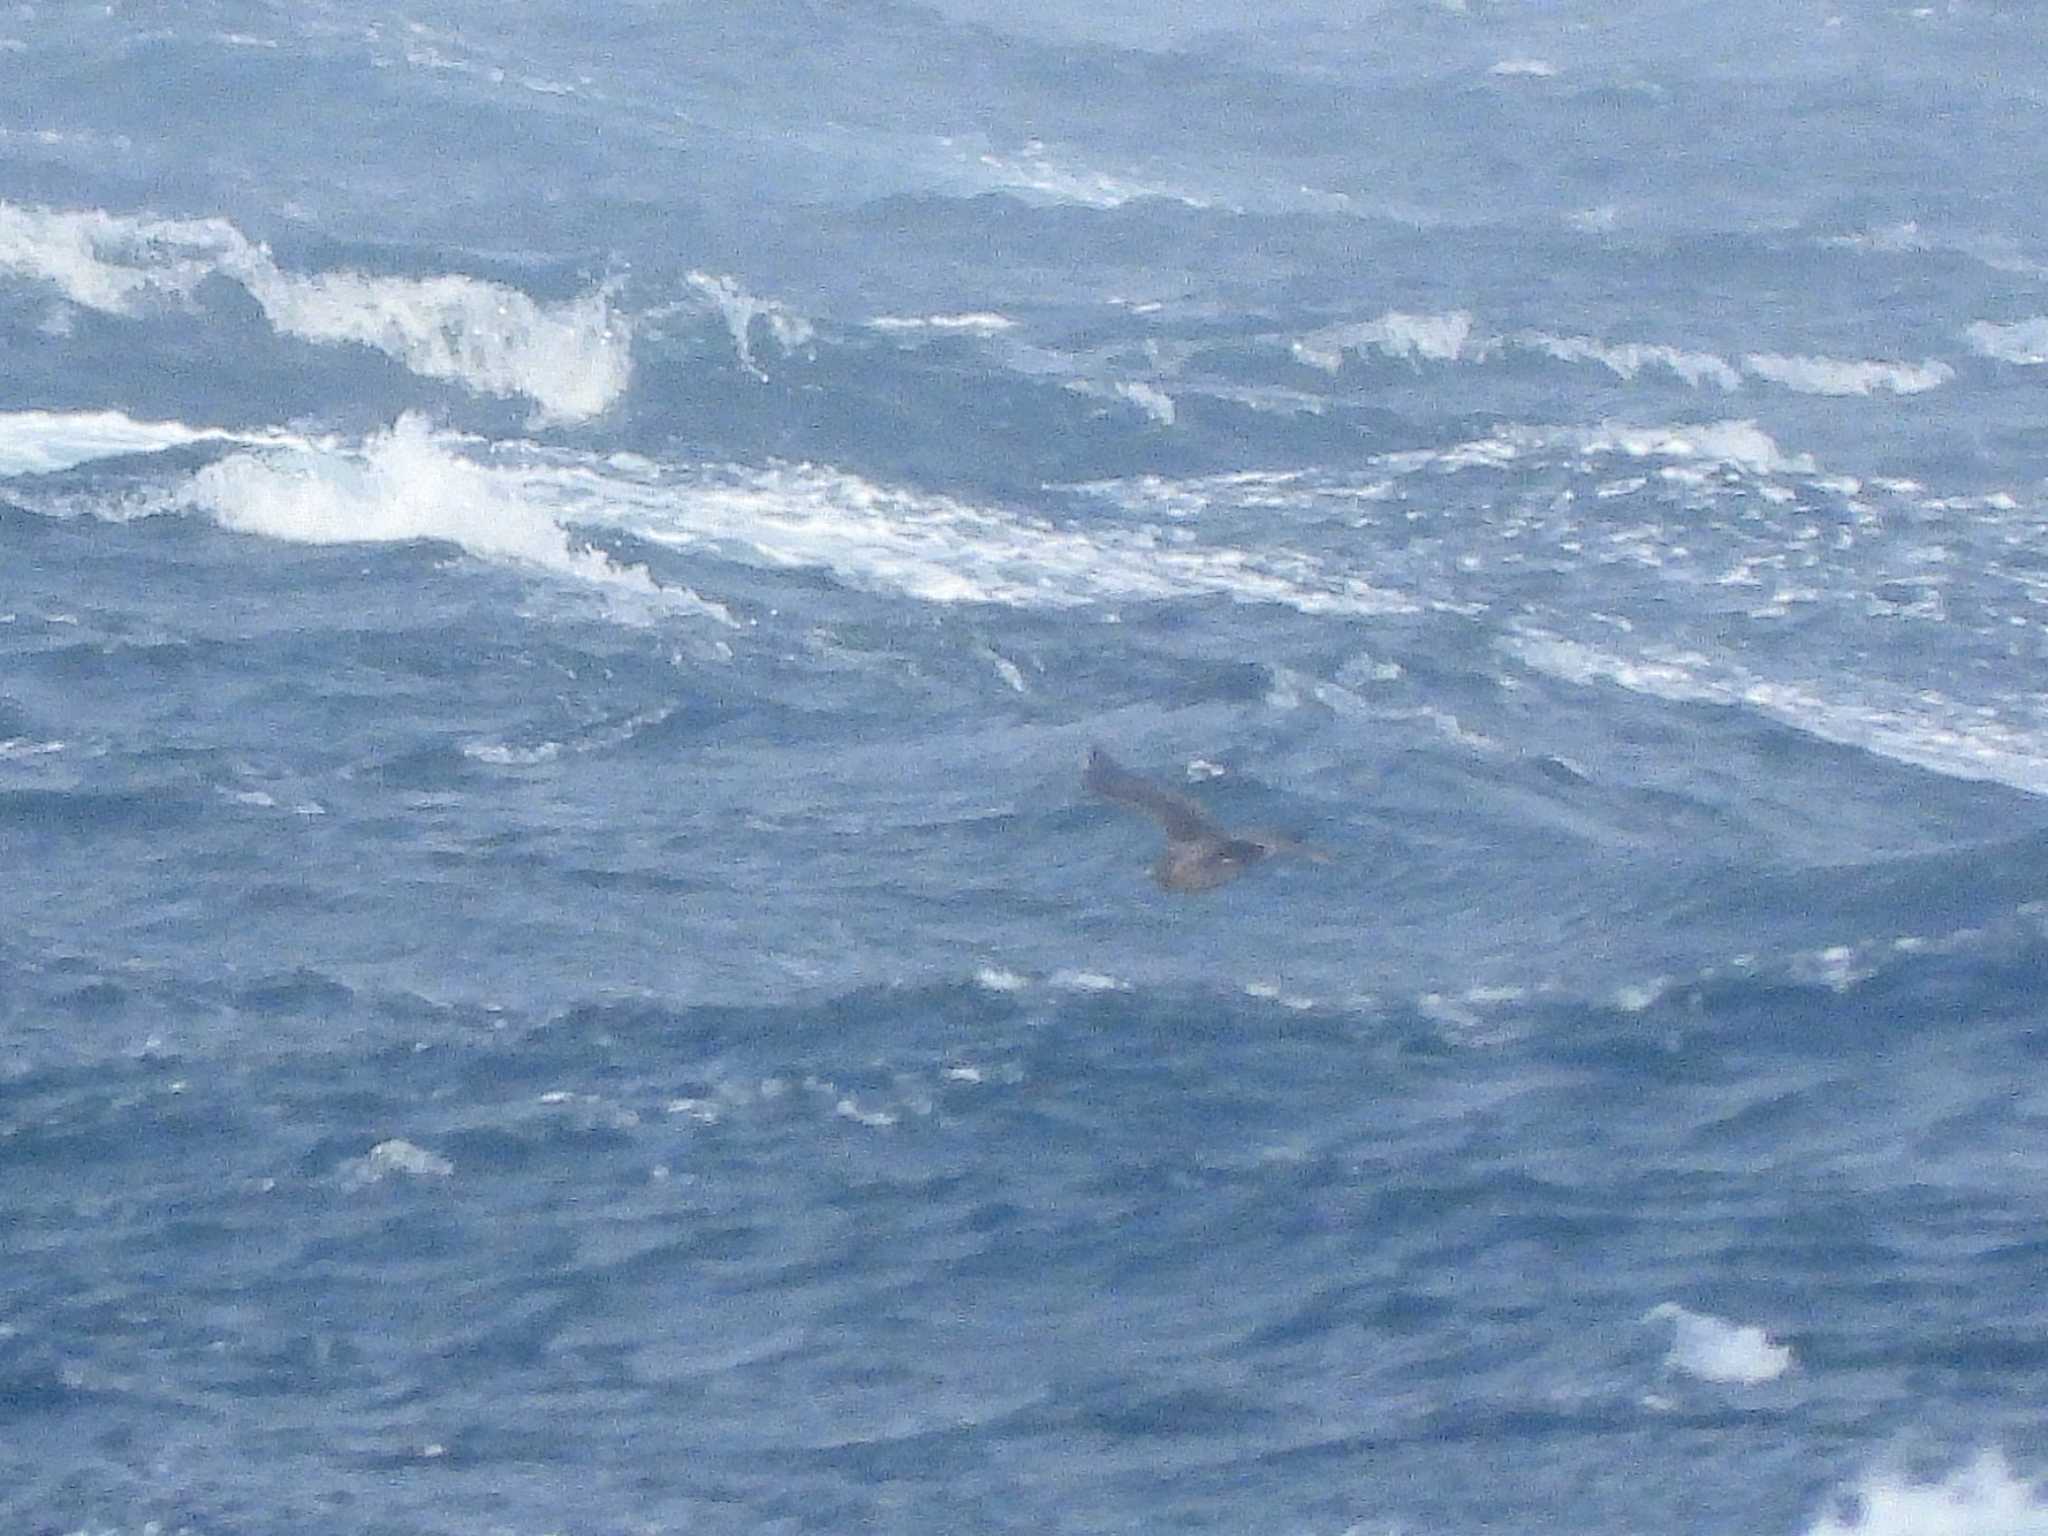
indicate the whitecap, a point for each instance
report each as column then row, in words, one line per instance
column 1005, row 668
column 573, row 358
column 1836, row 376
column 1984, row 1497
column 395, row 1157
column 1441, row 338
column 504, row 755
column 45, row 442
column 1736, row 444
column 1627, row 359
column 937, row 548
column 1923, row 728
column 1037, row 169
column 1714, row 1349
column 1088, row 981
column 975, row 324
column 410, row 483
column 849, row 1109
column 740, row 309
column 1154, row 402
column 2024, row 342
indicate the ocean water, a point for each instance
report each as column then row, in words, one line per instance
column 558, row 568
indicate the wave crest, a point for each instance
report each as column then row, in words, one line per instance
column 572, row 359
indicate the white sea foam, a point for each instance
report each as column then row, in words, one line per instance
column 518, row 504
column 1630, row 358
column 1984, row 1497
column 395, row 1157
column 1440, row 338
column 1837, row 376
column 2024, row 342
column 1540, row 69
column 1738, row 445
column 740, row 309
column 1154, row 402
column 934, row 548
column 1088, row 981
column 969, row 324
column 573, row 359
column 1809, row 375
column 1038, row 169
column 877, row 1119
column 403, row 484
column 1452, row 337
column 1005, row 668
column 503, row 755
column 41, row 442
column 2000, row 252
column 1716, row 1350
column 1921, row 728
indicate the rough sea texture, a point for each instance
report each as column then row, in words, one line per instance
column 558, row 568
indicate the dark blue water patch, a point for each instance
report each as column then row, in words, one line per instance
column 299, row 991
column 43, row 816
column 149, row 1130
column 417, row 1233
column 435, row 768
column 112, row 661
column 34, row 1382
column 15, row 722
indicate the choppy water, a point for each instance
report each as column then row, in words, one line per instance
column 557, row 569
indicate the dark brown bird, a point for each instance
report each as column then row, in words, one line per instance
column 1200, row 855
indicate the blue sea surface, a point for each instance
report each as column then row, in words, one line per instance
column 559, row 566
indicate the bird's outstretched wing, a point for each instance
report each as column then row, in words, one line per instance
column 1183, row 820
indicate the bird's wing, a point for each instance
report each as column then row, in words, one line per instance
column 1184, row 821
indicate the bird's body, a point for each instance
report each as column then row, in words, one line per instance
column 1200, row 855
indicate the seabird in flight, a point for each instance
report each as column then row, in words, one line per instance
column 1200, row 855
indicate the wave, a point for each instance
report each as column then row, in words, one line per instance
column 2024, row 342
column 404, row 484
column 740, row 309
column 1684, row 450
column 517, row 502
column 1630, row 358
column 931, row 547
column 1837, row 376
column 1154, row 402
column 1453, row 337
column 1736, row 443
column 1999, row 252
column 572, row 359
column 1983, row 1496
column 1441, row 338
column 1037, row 170
column 1920, row 728
column 1713, row 1349
column 977, row 323
column 45, row 442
